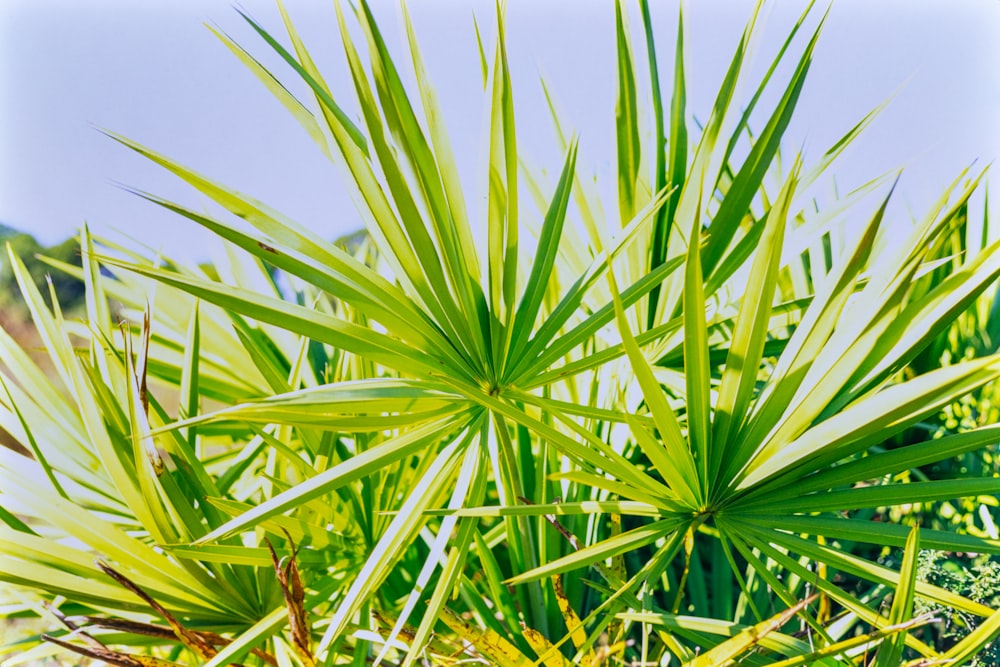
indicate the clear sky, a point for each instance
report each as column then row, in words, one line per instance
column 151, row 71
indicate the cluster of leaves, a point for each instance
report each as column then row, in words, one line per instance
column 661, row 440
column 977, row 578
column 975, row 333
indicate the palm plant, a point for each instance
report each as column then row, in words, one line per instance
column 404, row 452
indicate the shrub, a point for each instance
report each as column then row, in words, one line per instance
column 659, row 443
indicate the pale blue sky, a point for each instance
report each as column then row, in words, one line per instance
column 153, row 72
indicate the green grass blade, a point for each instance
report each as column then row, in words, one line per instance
column 407, row 234
column 677, row 146
column 547, row 346
column 879, row 496
column 806, row 342
column 973, row 643
column 349, row 405
column 484, row 66
column 397, row 536
column 190, row 397
column 682, row 476
column 360, row 465
column 748, row 180
column 850, row 564
column 583, row 194
column 257, row 634
column 630, row 508
column 697, row 373
column 470, row 488
column 98, row 311
column 875, row 533
column 694, row 193
column 707, row 628
column 747, row 345
column 332, row 270
column 629, row 491
column 147, row 567
column 747, row 638
column 282, row 94
column 883, row 463
column 868, row 571
column 867, row 421
column 502, row 203
column 626, row 121
column 545, row 257
column 890, row 652
column 434, row 173
column 36, row 451
column 303, row 321
column 931, row 315
column 310, row 75
column 601, row 551
column 447, row 166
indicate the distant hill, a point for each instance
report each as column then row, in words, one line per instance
column 69, row 289
column 6, row 231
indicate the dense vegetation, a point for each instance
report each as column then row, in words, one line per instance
column 707, row 425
